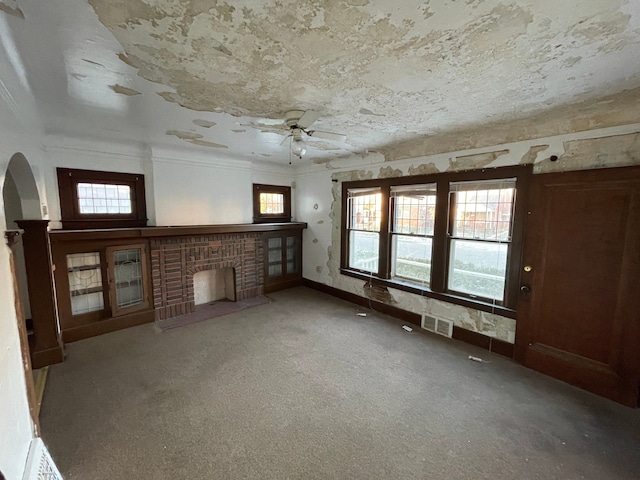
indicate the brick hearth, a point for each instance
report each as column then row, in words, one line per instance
column 174, row 261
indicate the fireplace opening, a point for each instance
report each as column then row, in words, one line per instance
column 214, row 285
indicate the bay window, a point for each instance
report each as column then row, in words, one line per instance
column 452, row 236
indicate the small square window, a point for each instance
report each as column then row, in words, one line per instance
column 271, row 203
column 93, row 199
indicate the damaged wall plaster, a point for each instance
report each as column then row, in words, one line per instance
column 573, row 153
column 613, row 151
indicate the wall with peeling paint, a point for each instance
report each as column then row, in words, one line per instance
column 322, row 185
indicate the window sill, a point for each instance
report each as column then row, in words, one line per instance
column 426, row 292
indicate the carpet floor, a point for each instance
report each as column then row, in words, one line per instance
column 303, row 388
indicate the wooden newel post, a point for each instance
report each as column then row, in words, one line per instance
column 46, row 348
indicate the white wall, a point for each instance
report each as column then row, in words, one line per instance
column 15, row 420
column 322, row 186
column 182, row 187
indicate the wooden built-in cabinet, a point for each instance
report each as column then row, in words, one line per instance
column 283, row 260
column 84, row 283
column 101, row 286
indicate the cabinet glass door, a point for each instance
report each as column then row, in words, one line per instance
column 127, row 276
column 292, row 255
column 85, row 282
column 274, row 254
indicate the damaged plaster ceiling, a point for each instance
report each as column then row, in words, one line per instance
column 403, row 78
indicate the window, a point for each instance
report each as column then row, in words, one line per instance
column 453, row 236
column 104, row 198
column 414, row 210
column 92, row 199
column 480, row 236
column 271, row 203
column 364, row 228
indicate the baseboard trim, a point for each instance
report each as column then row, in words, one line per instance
column 50, row 356
column 479, row 340
column 107, row 326
column 392, row 311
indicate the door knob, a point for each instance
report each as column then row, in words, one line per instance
column 525, row 288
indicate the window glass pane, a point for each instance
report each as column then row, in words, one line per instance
column 128, row 277
column 365, row 212
column 412, row 258
column 292, row 254
column 483, row 212
column 271, row 203
column 414, row 213
column 85, row 282
column 274, row 252
column 478, row 268
column 97, row 198
column 363, row 250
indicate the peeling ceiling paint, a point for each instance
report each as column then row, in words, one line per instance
column 15, row 10
column 204, row 123
column 405, row 79
column 120, row 89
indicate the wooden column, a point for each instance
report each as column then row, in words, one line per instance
column 46, row 348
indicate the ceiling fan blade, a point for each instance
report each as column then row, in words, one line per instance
column 308, row 118
column 285, row 139
column 327, row 135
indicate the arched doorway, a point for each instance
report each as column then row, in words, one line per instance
column 21, row 201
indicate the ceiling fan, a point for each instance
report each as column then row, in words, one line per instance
column 298, row 122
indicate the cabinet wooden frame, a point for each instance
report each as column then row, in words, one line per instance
column 259, row 217
column 68, row 179
column 287, row 278
column 111, row 266
column 68, row 321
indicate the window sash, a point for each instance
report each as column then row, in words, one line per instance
column 449, row 184
column 412, row 260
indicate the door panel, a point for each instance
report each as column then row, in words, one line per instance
column 579, row 311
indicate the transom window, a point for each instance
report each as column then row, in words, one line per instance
column 94, row 199
column 104, row 198
column 454, row 236
column 271, row 203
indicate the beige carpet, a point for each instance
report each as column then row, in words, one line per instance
column 302, row 388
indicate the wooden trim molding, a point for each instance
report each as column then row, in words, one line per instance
column 479, row 340
column 68, row 179
column 178, row 231
column 258, row 216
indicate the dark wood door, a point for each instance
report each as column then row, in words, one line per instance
column 579, row 305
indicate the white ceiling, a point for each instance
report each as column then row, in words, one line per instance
column 405, row 78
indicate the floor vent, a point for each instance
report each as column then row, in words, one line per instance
column 40, row 465
column 437, row 325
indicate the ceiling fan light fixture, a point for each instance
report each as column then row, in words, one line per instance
column 298, row 147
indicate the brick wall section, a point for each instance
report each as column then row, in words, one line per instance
column 174, row 261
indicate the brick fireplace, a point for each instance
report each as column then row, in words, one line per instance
column 175, row 260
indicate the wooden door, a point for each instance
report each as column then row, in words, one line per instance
column 579, row 305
